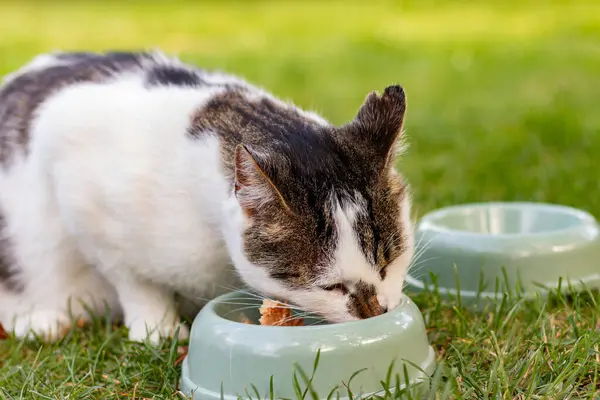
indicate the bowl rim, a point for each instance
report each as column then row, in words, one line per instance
column 427, row 222
column 389, row 317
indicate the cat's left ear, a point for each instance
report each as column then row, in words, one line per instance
column 379, row 123
column 253, row 188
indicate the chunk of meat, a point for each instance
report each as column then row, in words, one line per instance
column 274, row 313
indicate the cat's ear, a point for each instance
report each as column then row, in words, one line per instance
column 253, row 188
column 379, row 123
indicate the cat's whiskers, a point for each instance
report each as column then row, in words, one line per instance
column 293, row 318
column 246, row 291
column 239, row 301
column 318, row 321
column 420, row 250
column 206, row 299
column 260, row 297
column 240, row 309
column 416, row 267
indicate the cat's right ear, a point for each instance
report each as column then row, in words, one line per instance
column 253, row 188
column 378, row 124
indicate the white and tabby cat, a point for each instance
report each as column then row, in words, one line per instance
column 127, row 179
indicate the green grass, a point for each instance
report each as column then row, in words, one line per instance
column 502, row 105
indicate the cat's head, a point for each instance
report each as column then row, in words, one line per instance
column 324, row 221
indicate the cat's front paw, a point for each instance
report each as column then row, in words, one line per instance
column 49, row 325
column 142, row 331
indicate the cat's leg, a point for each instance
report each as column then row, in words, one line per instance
column 150, row 311
column 103, row 238
column 49, row 308
column 50, row 282
column 55, row 288
column 96, row 203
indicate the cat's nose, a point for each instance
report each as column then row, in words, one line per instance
column 380, row 311
column 375, row 308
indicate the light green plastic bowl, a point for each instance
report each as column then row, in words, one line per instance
column 231, row 358
column 488, row 249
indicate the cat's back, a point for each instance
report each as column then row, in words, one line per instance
column 85, row 82
column 106, row 137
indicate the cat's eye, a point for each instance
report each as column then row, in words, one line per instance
column 339, row 287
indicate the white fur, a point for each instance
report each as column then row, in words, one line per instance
column 148, row 226
column 115, row 206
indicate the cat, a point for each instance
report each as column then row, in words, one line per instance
column 128, row 179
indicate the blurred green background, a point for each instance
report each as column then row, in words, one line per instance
column 503, row 97
column 503, row 104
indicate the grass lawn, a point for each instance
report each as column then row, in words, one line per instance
column 502, row 105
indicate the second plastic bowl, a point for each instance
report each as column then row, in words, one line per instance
column 476, row 249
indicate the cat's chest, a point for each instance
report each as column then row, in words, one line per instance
column 170, row 236
column 185, row 252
